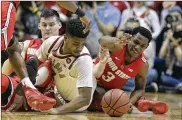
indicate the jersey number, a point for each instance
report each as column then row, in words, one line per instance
column 110, row 76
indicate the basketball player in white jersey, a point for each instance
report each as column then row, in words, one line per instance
column 72, row 65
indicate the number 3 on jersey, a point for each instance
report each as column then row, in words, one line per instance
column 110, row 76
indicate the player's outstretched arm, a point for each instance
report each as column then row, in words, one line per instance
column 71, row 6
column 82, row 100
column 140, row 82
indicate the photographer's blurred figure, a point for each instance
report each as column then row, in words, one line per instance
column 168, row 6
column 147, row 17
column 151, row 85
column 171, row 52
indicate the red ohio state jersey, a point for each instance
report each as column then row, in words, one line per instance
column 32, row 48
column 116, row 73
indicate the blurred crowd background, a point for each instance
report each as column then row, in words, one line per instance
column 163, row 19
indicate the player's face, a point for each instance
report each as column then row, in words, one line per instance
column 49, row 27
column 137, row 45
column 75, row 44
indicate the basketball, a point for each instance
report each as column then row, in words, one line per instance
column 115, row 103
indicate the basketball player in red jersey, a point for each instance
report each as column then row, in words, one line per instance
column 124, row 62
column 49, row 26
column 9, row 42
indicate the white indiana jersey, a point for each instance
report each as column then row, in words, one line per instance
column 70, row 72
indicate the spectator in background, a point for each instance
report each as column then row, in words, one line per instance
column 19, row 31
column 147, row 17
column 28, row 14
column 151, row 85
column 121, row 5
column 166, row 22
column 105, row 19
column 171, row 52
column 167, row 7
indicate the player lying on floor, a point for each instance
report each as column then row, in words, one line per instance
column 120, row 60
column 8, row 41
column 72, row 67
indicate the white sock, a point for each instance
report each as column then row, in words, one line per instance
column 26, row 81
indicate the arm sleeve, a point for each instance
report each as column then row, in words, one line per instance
column 85, row 67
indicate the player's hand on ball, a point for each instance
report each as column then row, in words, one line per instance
column 130, row 109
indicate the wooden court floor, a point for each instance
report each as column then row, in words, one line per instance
column 174, row 113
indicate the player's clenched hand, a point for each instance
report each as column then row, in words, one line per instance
column 86, row 22
column 103, row 55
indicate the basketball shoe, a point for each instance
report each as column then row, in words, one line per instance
column 157, row 107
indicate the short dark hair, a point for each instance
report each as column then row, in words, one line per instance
column 74, row 28
column 143, row 31
column 47, row 12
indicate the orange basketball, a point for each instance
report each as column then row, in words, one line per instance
column 115, row 103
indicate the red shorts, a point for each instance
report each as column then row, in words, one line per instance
column 13, row 82
column 8, row 19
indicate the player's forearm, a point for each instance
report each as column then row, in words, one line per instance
column 99, row 69
column 71, row 6
column 135, row 95
column 74, row 105
column 17, row 63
